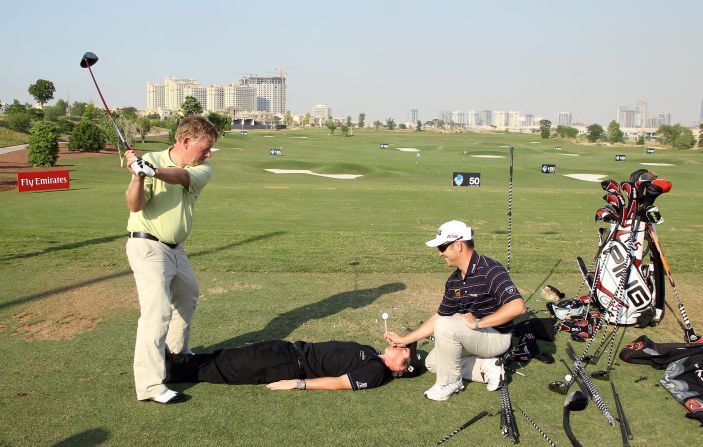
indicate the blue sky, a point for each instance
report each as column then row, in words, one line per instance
column 381, row 58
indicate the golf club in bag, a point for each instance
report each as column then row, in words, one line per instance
column 139, row 166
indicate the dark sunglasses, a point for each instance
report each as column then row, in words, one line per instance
column 442, row 248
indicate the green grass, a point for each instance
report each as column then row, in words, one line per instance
column 314, row 258
column 11, row 138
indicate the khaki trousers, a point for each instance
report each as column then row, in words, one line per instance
column 460, row 351
column 168, row 293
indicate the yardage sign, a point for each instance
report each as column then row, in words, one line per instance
column 42, row 180
column 244, row 133
column 549, row 169
column 276, row 151
column 472, row 179
column 620, row 157
column 650, row 150
column 383, row 146
column 557, row 148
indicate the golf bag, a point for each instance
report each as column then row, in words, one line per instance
column 628, row 280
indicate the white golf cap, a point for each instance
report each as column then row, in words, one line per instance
column 449, row 232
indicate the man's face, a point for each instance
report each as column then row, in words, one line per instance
column 450, row 251
column 397, row 358
column 197, row 151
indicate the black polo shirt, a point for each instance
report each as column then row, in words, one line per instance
column 486, row 287
column 360, row 363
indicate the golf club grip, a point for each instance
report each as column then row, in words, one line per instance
column 624, row 425
column 567, row 428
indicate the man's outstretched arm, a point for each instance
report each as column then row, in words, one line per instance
column 319, row 383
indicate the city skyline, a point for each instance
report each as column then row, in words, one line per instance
column 541, row 58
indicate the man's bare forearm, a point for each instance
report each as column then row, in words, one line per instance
column 174, row 176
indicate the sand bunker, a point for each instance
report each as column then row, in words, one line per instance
column 535, row 142
column 657, row 164
column 408, row 149
column 309, row 172
column 586, row 177
column 570, row 155
column 488, row 156
column 266, row 136
column 299, row 137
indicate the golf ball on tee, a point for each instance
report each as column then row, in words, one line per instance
column 568, row 378
column 384, row 315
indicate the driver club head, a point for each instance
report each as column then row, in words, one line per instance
column 576, row 401
column 601, row 374
column 89, row 59
column 589, row 359
column 560, row 387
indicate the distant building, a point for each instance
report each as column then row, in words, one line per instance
column 663, row 118
column 498, row 118
column 240, row 98
column 459, row 118
column 155, row 98
column 215, row 98
column 513, row 119
column 565, row 118
column 529, row 120
column 270, row 93
column 174, row 90
column 641, row 114
column 320, row 113
column 472, row 118
column 485, row 118
column 626, row 116
column 701, row 116
column 414, row 116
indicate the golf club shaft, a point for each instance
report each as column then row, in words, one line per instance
column 109, row 114
column 589, row 384
column 510, row 207
column 463, row 426
column 690, row 333
column 567, row 428
column 624, row 425
column 534, row 424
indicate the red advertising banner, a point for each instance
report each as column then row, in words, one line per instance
column 42, row 180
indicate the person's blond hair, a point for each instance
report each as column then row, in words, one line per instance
column 196, row 128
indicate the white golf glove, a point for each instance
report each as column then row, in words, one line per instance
column 143, row 168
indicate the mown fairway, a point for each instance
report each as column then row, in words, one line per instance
column 307, row 257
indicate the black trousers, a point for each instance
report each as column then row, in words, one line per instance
column 263, row 362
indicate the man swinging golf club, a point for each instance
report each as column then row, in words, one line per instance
column 161, row 198
column 473, row 323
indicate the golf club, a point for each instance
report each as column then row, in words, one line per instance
column 575, row 401
column 510, row 207
column 625, row 431
column 539, row 430
column 593, row 392
column 90, row 59
column 463, row 426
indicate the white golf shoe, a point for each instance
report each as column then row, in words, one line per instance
column 444, row 392
column 492, row 373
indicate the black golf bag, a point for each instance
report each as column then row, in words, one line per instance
column 628, row 279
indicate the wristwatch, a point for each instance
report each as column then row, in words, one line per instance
column 477, row 323
column 301, row 384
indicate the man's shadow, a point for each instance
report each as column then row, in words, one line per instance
column 284, row 324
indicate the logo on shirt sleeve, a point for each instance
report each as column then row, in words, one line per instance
column 361, row 385
column 510, row 289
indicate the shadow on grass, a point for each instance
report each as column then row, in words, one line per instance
column 282, row 325
column 546, row 278
column 100, row 240
column 48, row 293
column 92, row 437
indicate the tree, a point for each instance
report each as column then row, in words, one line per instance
column 143, row 127
column 418, row 126
column 77, row 109
column 86, row 136
column 306, row 119
column 377, row 124
column 362, row 118
column 402, row 126
column 19, row 121
column 15, row 107
column 615, row 135
column 594, row 132
column 89, row 112
column 685, row 139
column 220, row 121
column 43, row 144
column 130, row 113
column 191, row 106
column 567, row 131
column 390, row 123
column 42, row 91
column 640, row 140
column 331, row 125
column 287, row 119
column 700, row 135
column 345, row 130
column 545, row 128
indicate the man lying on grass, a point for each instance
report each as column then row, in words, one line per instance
column 282, row 365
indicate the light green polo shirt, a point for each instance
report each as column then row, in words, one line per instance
column 168, row 213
